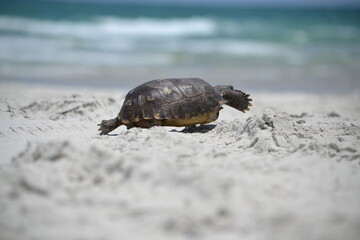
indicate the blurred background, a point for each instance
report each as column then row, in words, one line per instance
column 273, row 45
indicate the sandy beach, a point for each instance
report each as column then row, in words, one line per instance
column 288, row 169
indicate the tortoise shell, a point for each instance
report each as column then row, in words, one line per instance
column 171, row 102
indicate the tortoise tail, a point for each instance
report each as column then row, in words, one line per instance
column 107, row 126
column 237, row 99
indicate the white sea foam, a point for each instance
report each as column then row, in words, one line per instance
column 110, row 26
column 125, row 52
column 234, row 47
column 29, row 46
column 39, row 50
column 119, row 41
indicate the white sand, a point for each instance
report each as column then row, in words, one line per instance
column 288, row 169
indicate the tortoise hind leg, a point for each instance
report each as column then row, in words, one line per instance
column 237, row 99
column 190, row 129
column 203, row 128
column 107, row 126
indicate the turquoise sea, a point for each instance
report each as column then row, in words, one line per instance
column 122, row 45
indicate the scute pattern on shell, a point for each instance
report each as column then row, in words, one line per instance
column 170, row 99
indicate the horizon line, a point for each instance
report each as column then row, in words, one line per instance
column 297, row 5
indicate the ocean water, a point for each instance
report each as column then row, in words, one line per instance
column 107, row 45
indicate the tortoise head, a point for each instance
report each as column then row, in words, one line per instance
column 107, row 126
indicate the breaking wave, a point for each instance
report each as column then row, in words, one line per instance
column 109, row 27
